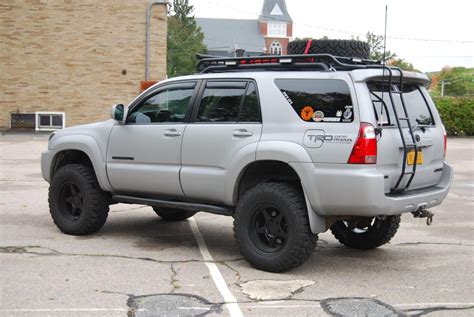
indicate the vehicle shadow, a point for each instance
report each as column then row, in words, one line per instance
column 151, row 234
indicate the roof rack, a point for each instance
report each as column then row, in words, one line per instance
column 322, row 62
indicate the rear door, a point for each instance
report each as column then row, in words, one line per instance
column 428, row 134
column 226, row 127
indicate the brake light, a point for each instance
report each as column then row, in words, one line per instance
column 445, row 140
column 365, row 148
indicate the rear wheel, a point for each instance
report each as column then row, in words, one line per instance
column 366, row 233
column 172, row 214
column 272, row 229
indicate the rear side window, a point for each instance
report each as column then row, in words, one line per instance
column 229, row 102
column 318, row 100
column 416, row 105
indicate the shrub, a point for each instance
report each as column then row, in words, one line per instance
column 457, row 114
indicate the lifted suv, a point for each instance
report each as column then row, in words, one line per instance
column 290, row 146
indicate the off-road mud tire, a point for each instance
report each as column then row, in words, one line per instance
column 95, row 202
column 374, row 237
column 300, row 242
column 173, row 215
column 343, row 48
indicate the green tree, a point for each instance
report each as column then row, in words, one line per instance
column 403, row 64
column 185, row 39
column 459, row 81
column 376, row 47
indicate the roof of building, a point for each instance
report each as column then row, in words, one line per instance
column 275, row 10
column 229, row 34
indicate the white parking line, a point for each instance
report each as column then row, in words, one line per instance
column 50, row 310
column 231, row 302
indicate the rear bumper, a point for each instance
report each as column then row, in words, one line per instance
column 350, row 190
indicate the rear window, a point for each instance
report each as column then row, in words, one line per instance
column 318, row 100
column 417, row 107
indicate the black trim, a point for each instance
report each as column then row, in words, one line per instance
column 123, row 158
column 218, row 210
column 438, row 170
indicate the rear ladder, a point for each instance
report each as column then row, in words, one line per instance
column 407, row 147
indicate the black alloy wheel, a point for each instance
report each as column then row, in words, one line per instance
column 269, row 228
column 71, row 200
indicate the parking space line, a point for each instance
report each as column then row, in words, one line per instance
column 43, row 310
column 231, row 302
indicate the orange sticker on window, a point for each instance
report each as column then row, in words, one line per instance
column 307, row 113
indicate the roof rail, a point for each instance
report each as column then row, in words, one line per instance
column 322, row 62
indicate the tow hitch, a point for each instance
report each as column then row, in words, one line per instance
column 422, row 212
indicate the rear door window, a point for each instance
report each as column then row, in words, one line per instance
column 416, row 104
column 234, row 101
column 318, row 100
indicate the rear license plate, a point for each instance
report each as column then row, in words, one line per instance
column 411, row 158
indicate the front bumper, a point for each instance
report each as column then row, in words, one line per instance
column 348, row 190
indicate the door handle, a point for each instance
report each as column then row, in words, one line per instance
column 172, row 133
column 242, row 133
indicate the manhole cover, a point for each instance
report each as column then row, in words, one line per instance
column 357, row 307
column 170, row 305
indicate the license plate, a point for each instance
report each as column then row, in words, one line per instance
column 411, row 158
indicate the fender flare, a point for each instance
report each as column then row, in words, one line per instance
column 285, row 152
column 90, row 147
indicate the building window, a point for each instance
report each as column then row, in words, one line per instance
column 277, row 29
column 275, row 49
column 49, row 121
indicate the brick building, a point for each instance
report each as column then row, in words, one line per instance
column 69, row 61
column 269, row 34
column 276, row 26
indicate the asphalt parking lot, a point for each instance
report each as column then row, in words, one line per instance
column 141, row 266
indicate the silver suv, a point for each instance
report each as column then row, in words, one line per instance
column 290, row 146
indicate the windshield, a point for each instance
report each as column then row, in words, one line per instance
column 415, row 102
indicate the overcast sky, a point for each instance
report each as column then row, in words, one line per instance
column 428, row 33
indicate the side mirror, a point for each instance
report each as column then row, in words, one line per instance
column 117, row 112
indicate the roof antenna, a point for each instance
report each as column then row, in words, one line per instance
column 382, row 105
column 385, row 38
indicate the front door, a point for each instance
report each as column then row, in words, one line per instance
column 144, row 154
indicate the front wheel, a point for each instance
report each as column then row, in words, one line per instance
column 77, row 204
column 272, row 229
column 366, row 233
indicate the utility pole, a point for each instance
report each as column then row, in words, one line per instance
column 442, row 87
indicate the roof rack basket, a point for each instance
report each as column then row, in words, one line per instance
column 322, row 62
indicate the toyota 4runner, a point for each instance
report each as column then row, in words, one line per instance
column 290, row 146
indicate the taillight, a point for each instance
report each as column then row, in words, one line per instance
column 445, row 140
column 365, row 148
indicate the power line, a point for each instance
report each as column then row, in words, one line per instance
column 344, row 31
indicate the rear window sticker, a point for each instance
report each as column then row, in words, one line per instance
column 287, row 97
column 329, row 119
column 307, row 113
column 339, row 113
column 318, row 116
column 347, row 114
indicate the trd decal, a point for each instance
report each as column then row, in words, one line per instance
column 316, row 138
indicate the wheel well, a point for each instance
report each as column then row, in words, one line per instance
column 266, row 172
column 70, row 157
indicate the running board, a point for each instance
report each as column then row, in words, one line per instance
column 218, row 210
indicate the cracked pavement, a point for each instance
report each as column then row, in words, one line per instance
column 138, row 262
